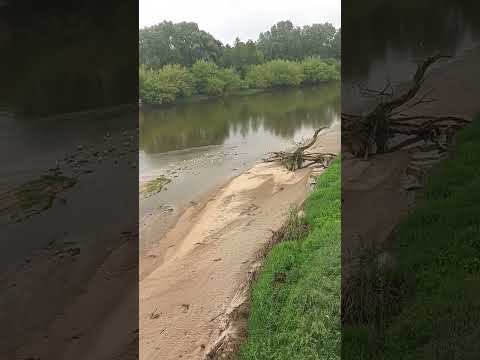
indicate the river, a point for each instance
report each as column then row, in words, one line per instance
column 200, row 145
column 385, row 41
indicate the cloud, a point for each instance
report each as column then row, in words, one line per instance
column 227, row 19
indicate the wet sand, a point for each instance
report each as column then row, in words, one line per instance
column 68, row 273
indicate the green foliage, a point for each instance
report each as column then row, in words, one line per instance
column 182, row 43
column 213, row 70
column 258, row 77
column 231, row 79
column 275, row 73
column 316, row 70
column 205, row 73
column 336, row 45
column 172, row 82
column 437, row 252
column 241, row 56
column 212, row 80
column 155, row 186
column 33, row 197
column 165, row 85
column 285, row 41
column 295, row 312
column 284, row 73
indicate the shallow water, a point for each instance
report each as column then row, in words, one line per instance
column 202, row 144
column 384, row 42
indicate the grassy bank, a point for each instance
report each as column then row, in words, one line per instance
column 436, row 253
column 295, row 310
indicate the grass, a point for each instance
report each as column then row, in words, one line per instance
column 295, row 304
column 33, row 197
column 437, row 256
column 154, row 186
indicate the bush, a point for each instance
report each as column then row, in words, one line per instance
column 203, row 73
column 316, row 70
column 211, row 80
column 258, row 77
column 231, row 79
column 275, row 73
column 285, row 73
column 171, row 82
column 165, row 85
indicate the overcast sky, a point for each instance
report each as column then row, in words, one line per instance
column 227, row 19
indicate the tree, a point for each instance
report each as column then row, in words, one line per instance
column 317, row 40
column 336, row 45
column 281, row 42
column 285, row 41
column 241, row 56
column 182, row 43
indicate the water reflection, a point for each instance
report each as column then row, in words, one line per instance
column 384, row 40
column 377, row 31
column 278, row 113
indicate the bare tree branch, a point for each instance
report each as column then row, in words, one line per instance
column 373, row 133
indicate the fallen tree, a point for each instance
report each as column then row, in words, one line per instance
column 388, row 127
column 302, row 157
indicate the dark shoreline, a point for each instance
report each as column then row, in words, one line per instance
column 247, row 92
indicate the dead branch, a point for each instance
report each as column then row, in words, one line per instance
column 373, row 133
column 299, row 158
column 386, row 91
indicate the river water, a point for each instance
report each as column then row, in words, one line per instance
column 384, row 41
column 200, row 145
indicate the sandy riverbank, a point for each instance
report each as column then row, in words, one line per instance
column 193, row 278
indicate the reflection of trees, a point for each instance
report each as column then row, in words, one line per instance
column 68, row 57
column 281, row 113
column 371, row 27
column 182, row 127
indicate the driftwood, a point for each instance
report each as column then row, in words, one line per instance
column 372, row 133
column 299, row 159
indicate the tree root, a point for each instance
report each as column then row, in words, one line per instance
column 376, row 132
column 299, row 159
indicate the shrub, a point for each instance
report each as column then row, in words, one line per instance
column 165, row 85
column 174, row 81
column 275, row 73
column 231, row 80
column 203, row 72
column 211, row 80
column 258, row 77
column 285, row 73
column 316, row 70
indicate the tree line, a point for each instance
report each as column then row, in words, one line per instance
column 180, row 60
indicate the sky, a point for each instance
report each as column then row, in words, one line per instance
column 227, row 19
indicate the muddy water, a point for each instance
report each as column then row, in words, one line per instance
column 384, row 42
column 200, row 145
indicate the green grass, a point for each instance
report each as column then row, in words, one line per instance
column 437, row 254
column 33, row 197
column 155, row 186
column 295, row 305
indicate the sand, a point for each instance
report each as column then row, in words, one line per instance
column 69, row 274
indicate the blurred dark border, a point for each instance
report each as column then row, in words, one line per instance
column 410, row 218
column 69, row 179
